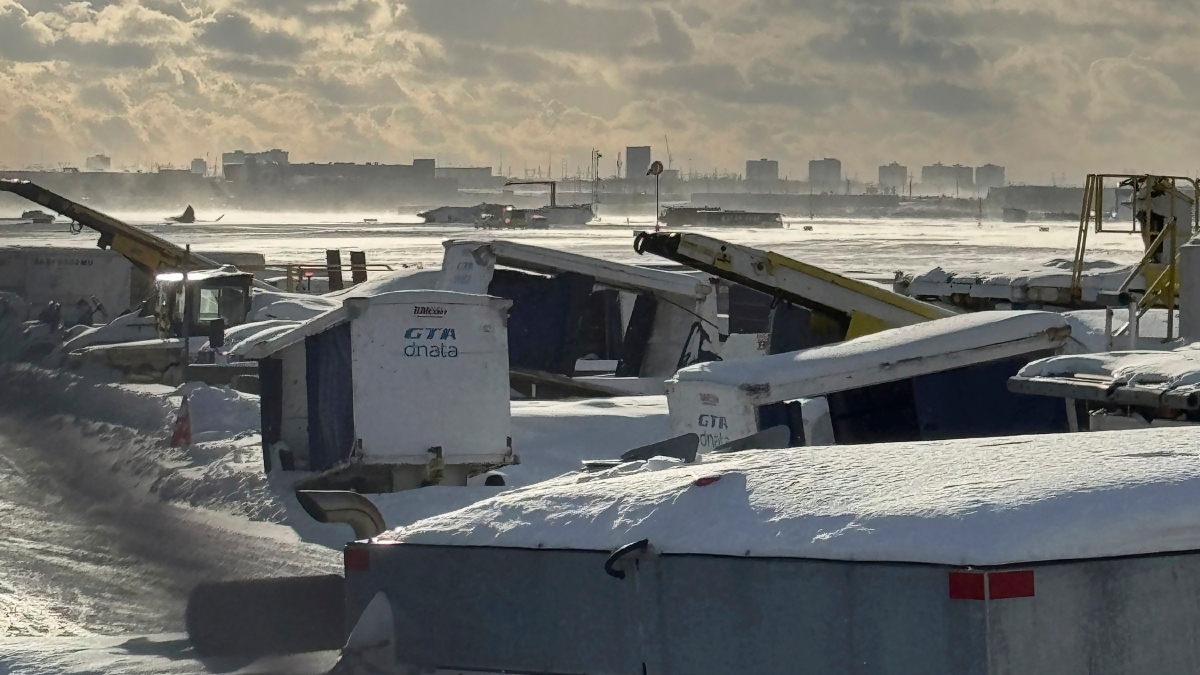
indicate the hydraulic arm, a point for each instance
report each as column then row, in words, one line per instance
column 149, row 253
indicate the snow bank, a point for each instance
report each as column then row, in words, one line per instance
column 928, row 340
column 962, row 502
column 554, row 437
column 219, row 412
column 145, row 407
column 268, row 305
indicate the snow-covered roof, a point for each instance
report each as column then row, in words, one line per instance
column 983, row 501
column 886, row 356
column 632, row 278
column 1166, row 370
column 1022, row 284
column 326, row 320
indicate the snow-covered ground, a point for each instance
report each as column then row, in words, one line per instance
column 869, row 248
column 105, row 528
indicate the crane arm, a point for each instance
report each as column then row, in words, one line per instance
column 146, row 251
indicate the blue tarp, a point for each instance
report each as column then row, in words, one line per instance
column 330, row 397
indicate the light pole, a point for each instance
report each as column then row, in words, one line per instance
column 656, row 169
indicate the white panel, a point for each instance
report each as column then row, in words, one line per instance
column 294, row 421
column 40, row 275
column 715, row 413
column 430, row 369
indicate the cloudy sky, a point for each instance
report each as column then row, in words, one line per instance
column 1040, row 86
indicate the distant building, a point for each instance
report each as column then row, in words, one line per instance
column 957, row 180
column 199, row 166
column 422, row 168
column 825, row 175
column 989, row 176
column 762, row 174
column 275, row 156
column 964, row 178
column 893, row 178
column 470, row 177
column 98, row 163
column 637, row 161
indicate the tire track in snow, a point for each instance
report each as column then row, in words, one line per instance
column 84, row 547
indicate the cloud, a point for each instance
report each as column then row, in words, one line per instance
column 952, row 100
column 237, row 34
column 541, row 24
column 1033, row 84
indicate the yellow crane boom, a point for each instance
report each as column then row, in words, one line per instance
column 146, row 251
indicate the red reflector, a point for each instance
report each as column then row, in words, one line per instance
column 707, row 480
column 1017, row 584
column 357, row 558
column 1000, row 585
column 966, row 585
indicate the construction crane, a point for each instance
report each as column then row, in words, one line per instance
column 213, row 292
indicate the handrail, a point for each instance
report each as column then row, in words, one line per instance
column 295, row 271
column 1092, row 208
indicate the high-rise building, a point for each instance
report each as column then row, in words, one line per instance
column 199, row 166
column 989, row 176
column 825, row 175
column 98, row 163
column 762, row 174
column 637, row 161
column 893, row 178
column 964, row 178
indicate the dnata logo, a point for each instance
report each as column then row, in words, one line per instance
column 423, row 347
column 424, row 310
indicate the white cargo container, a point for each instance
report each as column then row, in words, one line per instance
column 430, row 370
column 390, row 392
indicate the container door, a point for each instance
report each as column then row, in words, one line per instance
column 330, row 397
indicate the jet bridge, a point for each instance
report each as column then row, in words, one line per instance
column 855, row 307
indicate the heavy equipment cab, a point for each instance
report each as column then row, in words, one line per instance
column 209, row 295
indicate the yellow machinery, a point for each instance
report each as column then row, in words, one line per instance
column 858, row 307
column 209, row 293
column 1162, row 214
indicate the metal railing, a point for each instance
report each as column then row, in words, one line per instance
column 297, row 273
column 1163, row 289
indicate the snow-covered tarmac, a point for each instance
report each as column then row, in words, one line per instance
column 863, row 247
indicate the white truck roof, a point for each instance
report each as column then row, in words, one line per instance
column 326, row 320
column 886, row 356
column 982, row 501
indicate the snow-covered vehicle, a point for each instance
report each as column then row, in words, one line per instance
column 933, row 380
column 944, row 557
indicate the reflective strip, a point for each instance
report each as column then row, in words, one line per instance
column 992, row 585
